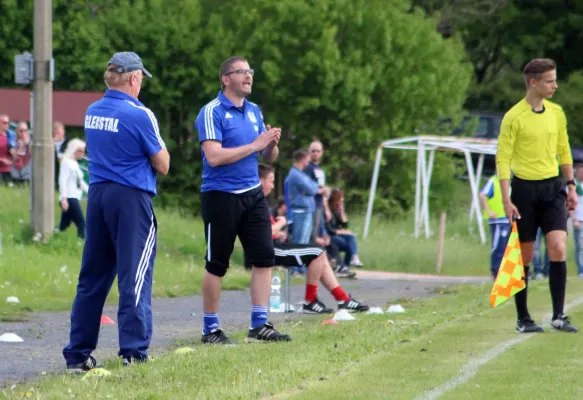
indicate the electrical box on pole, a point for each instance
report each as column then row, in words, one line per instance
column 23, row 68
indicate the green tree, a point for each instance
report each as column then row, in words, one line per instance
column 352, row 73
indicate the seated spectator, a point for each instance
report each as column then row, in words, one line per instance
column 337, row 227
column 22, row 164
column 319, row 269
column 72, row 186
column 280, row 210
column 321, row 238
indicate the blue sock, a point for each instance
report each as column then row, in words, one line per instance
column 258, row 316
column 210, row 321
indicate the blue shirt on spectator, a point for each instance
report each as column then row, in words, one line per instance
column 301, row 191
column 122, row 134
column 232, row 126
column 11, row 139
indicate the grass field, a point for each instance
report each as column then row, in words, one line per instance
column 43, row 276
column 390, row 356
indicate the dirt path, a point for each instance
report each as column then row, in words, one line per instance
column 46, row 334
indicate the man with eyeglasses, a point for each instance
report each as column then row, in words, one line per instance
column 7, row 142
column 232, row 134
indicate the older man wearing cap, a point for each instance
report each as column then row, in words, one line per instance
column 125, row 152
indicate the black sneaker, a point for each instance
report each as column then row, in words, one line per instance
column 267, row 333
column 562, row 323
column 85, row 366
column 527, row 325
column 316, row 307
column 127, row 361
column 216, row 336
column 353, row 305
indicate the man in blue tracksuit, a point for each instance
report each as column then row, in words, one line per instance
column 125, row 152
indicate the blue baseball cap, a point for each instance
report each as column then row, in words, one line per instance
column 127, row 61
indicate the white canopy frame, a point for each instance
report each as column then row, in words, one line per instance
column 424, row 144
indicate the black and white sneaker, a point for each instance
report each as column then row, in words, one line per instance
column 85, row 366
column 527, row 325
column 316, row 307
column 353, row 305
column 216, row 336
column 562, row 323
column 266, row 333
column 127, row 361
column 344, row 272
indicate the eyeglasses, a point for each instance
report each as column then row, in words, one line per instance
column 241, row 72
column 316, row 151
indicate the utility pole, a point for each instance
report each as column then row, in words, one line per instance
column 43, row 149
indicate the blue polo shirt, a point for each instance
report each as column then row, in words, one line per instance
column 122, row 134
column 232, row 126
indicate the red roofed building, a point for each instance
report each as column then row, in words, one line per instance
column 68, row 107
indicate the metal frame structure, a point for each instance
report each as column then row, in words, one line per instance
column 424, row 144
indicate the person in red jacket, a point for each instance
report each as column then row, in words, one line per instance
column 313, row 256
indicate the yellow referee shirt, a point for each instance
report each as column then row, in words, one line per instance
column 533, row 144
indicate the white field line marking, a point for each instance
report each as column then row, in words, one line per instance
column 470, row 370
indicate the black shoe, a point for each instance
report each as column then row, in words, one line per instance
column 216, row 336
column 267, row 333
column 562, row 323
column 316, row 307
column 85, row 366
column 127, row 361
column 353, row 305
column 527, row 325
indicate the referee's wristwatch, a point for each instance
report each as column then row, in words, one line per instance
column 571, row 182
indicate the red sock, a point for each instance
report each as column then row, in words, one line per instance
column 339, row 294
column 311, row 293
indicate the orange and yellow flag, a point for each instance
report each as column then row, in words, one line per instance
column 510, row 278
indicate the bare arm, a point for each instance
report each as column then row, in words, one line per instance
column 270, row 154
column 484, row 204
column 161, row 161
column 567, row 171
column 505, row 187
column 278, row 226
column 217, row 155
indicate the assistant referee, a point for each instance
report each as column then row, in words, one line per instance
column 534, row 144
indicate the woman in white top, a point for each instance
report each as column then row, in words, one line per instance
column 72, row 186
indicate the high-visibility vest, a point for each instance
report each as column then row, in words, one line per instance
column 495, row 203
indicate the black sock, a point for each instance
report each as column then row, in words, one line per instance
column 558, row 284
column 520, row 298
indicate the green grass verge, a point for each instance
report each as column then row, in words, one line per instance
column 368, row 358
column 44, row 276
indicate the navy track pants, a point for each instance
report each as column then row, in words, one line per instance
column 121, row 239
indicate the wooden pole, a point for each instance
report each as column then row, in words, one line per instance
column 441, row 242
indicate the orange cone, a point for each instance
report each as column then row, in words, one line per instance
column 105, row 320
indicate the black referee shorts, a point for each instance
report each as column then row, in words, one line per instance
column 540, row 204
column 228, row 215
column 293, row 255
